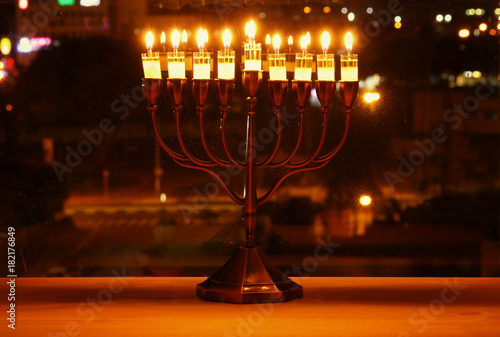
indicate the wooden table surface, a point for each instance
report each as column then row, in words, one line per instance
column 168, row 306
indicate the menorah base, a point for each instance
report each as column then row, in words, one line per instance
column 249, row 277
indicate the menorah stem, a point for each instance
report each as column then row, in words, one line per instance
column 250, row 196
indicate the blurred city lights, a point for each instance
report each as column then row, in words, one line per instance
column 447, row 18
column 2, row 74
column 439, row 18
column 307, row 9
column 497, row 11
column 344, row 10
column 397, row 25
column 397, row 18
column 470, row 11
column 369, row 10
column 477, row 32
column 483, row 27
column 493, row 32
column 66, row 2
column 350, row 16
column 365, row 200
column 479, row 11
column 90, row 3
column 327, row 9
column 8, row 107
column 463, row 33
column 23, row 4
column 5, row 46
column 24, row 45
column 2, row 65
column 476, row 74
column 371, row 97
column 262, row 15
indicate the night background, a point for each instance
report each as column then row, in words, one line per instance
column 72, row 77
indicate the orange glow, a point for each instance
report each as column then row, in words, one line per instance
column 276, row 42
column 483, row 27
column 492, row 32
column 250, row 30
column 327, row 9
column 23, row 4
column 303, row 43
column 397, row 25
column 463, row 33
column 2, row 65
column 268, row 40
column 226, row 38
column 184, row 36
column 8, row 107
column 290, row 41
column 348, row 42
column 307, row 9
column 202, row 38
column 308, row 37
column 163, row 39
column 176, row 37
column 149, row 40
column 365, row 200
column 325, row 40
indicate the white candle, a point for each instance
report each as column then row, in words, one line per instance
column 303, row 62
column 150, row 60
column 253, row 51
column 226, row 58
column 201, row 60
column 277, row 62
column 325, row 62
column 176, row 65
column 349, row 62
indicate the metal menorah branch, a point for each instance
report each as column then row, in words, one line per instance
column 249, row 276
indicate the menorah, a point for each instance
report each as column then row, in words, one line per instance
column 249, row 276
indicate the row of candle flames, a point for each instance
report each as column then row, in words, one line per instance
column 174, row 62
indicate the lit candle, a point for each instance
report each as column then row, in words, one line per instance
column 176, row 65
column 253, row 50
column 163, row 54
column 277, row 62
column 326, row 62
column 201, row 60
column 290, row 44
column 184, row 39
column 268, row 43
column 225, row 58
column 349, row 62
column 303, row 62
column 150, row 60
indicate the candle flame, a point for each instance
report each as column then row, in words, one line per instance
column 276, row 42
column 250, row 30
column 348, row 42
column 308, row 37
column 226, row 38
column 184, row 36
column 325, row 40
column 268, row 40
column 163, row 39
column 290, row 41
column 149, row 40
column 303, row 43
column 202, row 38
column 175, row 39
